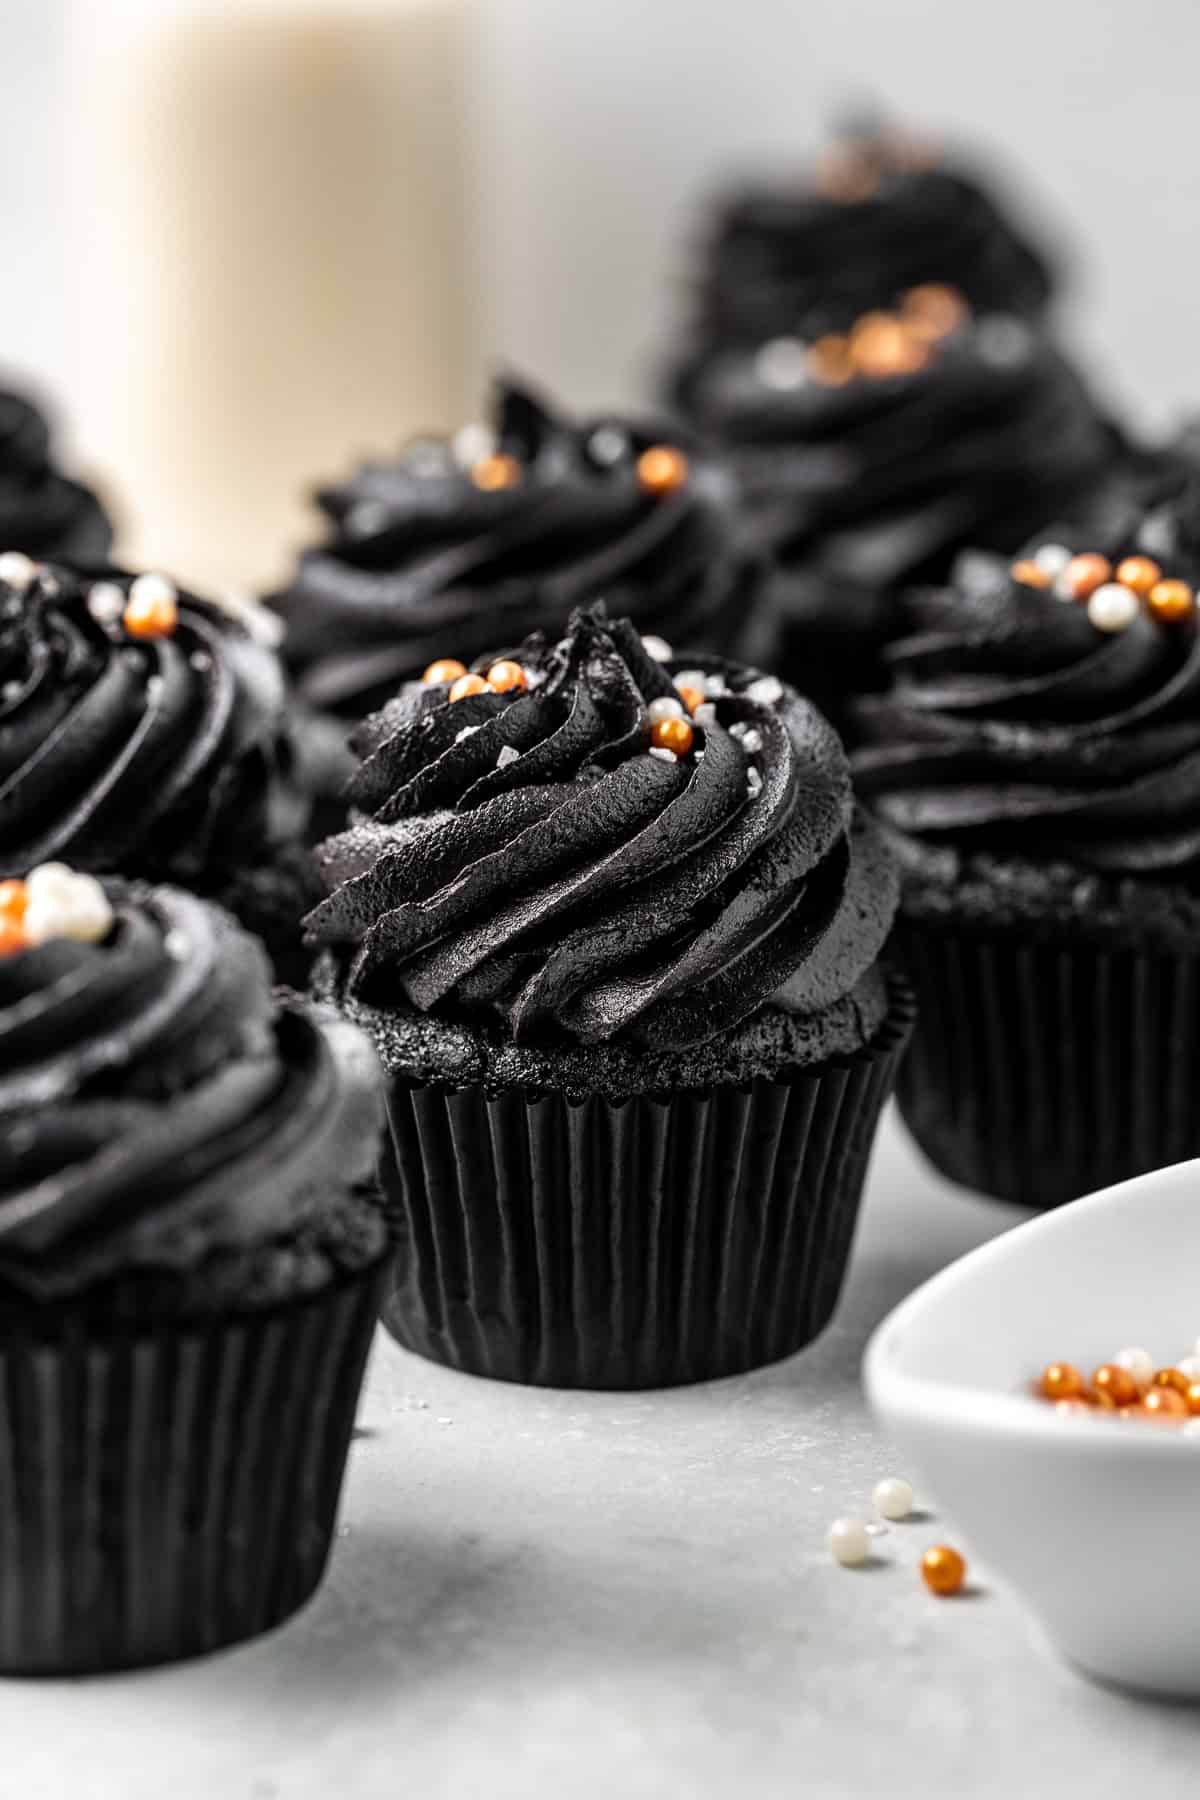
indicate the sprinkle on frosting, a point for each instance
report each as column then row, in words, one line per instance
column 1113, row 598
column 54, row 901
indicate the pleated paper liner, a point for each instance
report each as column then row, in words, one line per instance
column 660, row 1240
column 164, row 1493
column 1039, row 1072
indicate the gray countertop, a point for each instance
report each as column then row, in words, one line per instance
column 564, row 1594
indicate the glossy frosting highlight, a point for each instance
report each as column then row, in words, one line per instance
column 528, row 857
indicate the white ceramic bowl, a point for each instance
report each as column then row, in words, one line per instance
column 1094, row 1521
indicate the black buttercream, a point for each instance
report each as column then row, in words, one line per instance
column 421, row 563
column 41, row 511
column 1015, row 729
column 166, row 757
column 526, row 857
column 157, row 1109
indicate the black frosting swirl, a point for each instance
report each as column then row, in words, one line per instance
column 156, row 1108
column 421, row 563
column 780, row 256
column 155, row 757
column 527, row 856
column 41, row 511
column 881, row 478
column 1014, row 728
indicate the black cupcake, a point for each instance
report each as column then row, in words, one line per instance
column 879, row 213
column 192, row 1247
column 621, row 966
column 456, row 547
column 143, row 731
column 42, row 513
column 1037, row 765
column 869, row 458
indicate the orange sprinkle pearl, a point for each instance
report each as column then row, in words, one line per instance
column 691, row 696
column 1061, row 1381
column 466, row 685
column 151, row 614
column 1114, row 1386
column 1139, row 573
column 1029, row 574
column 1171, row 1378
column 1164, row 1403
column 14, row 901
column 1193, row 1397
column 12, row 937
column 661, row 469
column 494, row 472
column 503, row 676
column 1084, row 574
column 933, row 310
column 672, row 734
column 1171, row 601
column 943, row 1570
column 829, row 362
column 448, row 669
column 881, row 345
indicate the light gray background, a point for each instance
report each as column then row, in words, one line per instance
column 598, row 124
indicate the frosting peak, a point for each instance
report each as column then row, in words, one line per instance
column 614, row 848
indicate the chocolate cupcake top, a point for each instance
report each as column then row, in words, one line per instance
column 876, row 452
column 455, row 547
column 1049, row 712
column 156, row 1107
column 589, row 846
column 41, row 512
column 142, row 729
column 880, row 212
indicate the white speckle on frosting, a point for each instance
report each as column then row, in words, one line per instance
column 748, row 736
column 608, row 445
column 106, row 602
column 17, row 570
column 466, row 732
column 12, row 690
column 507, row 755
column 715, row 684
column 1002, row 340
column 176, row 945
column 657, row 648
column 766, row 690
column 471, row 443
column 691, row 678
column 368, row 517
column 753, row 782
column 256, row 620
column 782, row 364
column 705, row 713
column 201, row 661
column 663, row 754
column 154, row 689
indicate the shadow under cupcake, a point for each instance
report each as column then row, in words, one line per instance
column 614, row 928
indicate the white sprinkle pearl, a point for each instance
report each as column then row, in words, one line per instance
column 106, row 602
column 664, row 708
column 471, row 444
column 1138, row 1362
column 849, row 1542
column 152, row 590
column 657, row 648
column 1190, row 1366
column 766, row 690
column 1052, row 559
column 608, row 445
column 662, row 753
column 17, row 570
column 507, row 755
column 73, row 906
column 1113, row 607
column 893, row 1497
column 782, row 364
column 48, row 878
column 691, row 678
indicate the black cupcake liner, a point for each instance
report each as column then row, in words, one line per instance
column 167, row 1492
column 1042, row 1071
column 642, row 1243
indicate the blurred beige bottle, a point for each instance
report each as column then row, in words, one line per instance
column 270, row 261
